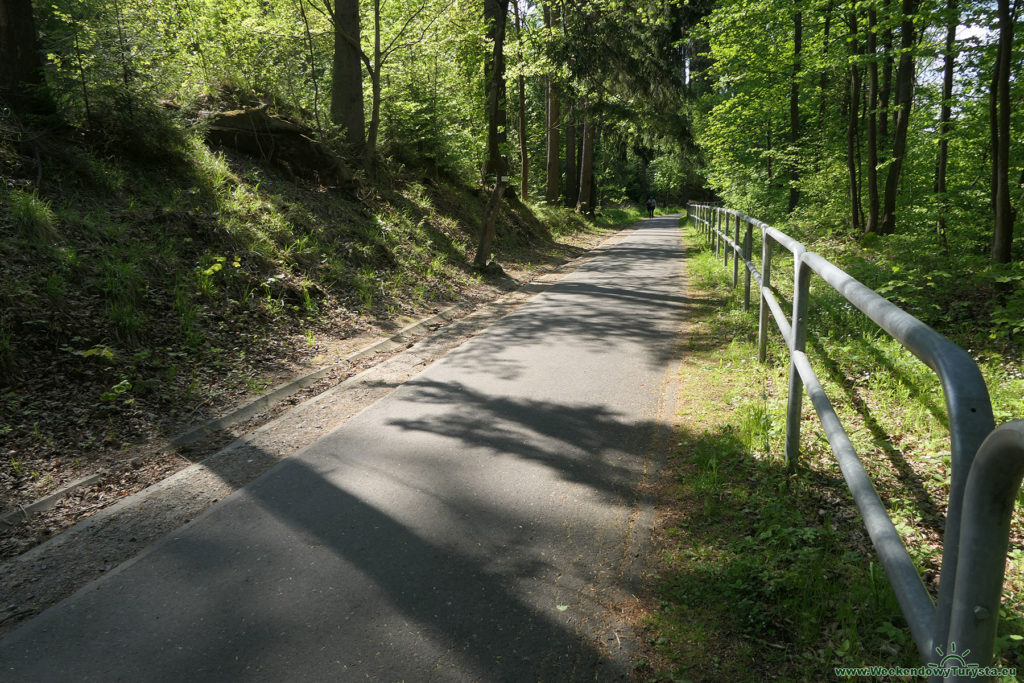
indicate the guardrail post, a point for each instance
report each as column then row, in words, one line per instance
column 801, row 290
column 724, row 236
column 736, row 257
column 748, row 246
column 718, row 231
column 763, row 310
column 713, row 224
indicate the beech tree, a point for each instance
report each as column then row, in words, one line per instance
column 347, row 84
column 945, row 114
column 496, row 164
column 1002, row 232
column 904, row 102
column 553, row 124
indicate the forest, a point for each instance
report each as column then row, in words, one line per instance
column 196, row 195
column 865, row 119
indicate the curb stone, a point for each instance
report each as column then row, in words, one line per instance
column 283, row 391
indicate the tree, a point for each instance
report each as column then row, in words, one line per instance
column 586, row 200
column 852, row 123
column 553, row 163
column 794, row 109
column 871, row 225
column 572, row 178
column 347, row 85
column 375, row 62
column 495, row 18
column 941, row 164
column 1002, row 232
column 21, row 66
column 524, row 177
column 904, row 102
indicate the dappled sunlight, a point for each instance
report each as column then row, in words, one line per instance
column 299, row 569
column 626, row 303
column 480, row 522
column 588, row 444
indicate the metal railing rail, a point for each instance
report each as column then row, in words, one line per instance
column 987, row 463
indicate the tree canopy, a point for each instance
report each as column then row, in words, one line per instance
column 879, row 116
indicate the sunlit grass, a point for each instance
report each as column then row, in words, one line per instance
column 773, row 568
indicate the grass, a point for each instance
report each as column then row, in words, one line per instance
column 764, row 573
column 203, row 269
column 31, row 216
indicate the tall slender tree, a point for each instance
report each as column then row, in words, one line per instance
column 871, row 224
column 554, row 123
column 585, row 204
column 572, row 179
column 945, row 112
column 496, row 165
column 904, row 103
column 852, row 126
column 794, row 109
column 21, row 64
column 1002, row 233
column 524, row 177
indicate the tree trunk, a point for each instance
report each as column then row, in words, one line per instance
column 851, row 135
column 949, row 57
column 491, row 211
column 370, row 152
column 347, row 87
column 822, row 88
column 571, row 175
column 993, row 132
column 794, row 112
column 885, row 91
column 595, row 199
column 524, row 178
column 21, row 63
column 904, row 101
column 312, row 69
column 554, row 122
column 585, row 203
column 1002, row 234
column 495, row 15
column 872, row 220
column 554, row 170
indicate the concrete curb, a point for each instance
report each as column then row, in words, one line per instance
column 281, row 392
column 47, row 501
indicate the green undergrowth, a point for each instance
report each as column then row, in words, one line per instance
column 147, row 277
column 767, row 573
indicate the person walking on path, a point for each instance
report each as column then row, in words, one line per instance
column 651, row 204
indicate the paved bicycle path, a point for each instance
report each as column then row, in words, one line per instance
column 476, row 524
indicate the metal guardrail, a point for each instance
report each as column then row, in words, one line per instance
column 987, row 463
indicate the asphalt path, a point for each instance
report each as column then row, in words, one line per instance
column 479, row 523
